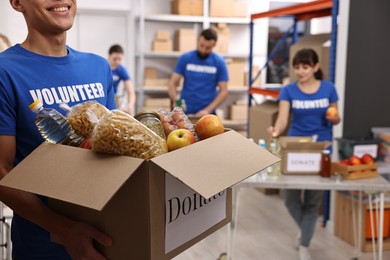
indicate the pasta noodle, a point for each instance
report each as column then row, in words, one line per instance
column 119, row 133
column 82, row 117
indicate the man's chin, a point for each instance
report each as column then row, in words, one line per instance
column 202, row 56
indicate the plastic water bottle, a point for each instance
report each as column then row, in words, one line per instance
column 53, row 126
column 274, row 147
column 263, row 173
column 181, row 103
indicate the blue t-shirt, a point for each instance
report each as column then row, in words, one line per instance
column 308, row 110
column 118, row 74
column 201, row 78
column 24, row 77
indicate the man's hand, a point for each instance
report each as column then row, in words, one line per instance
column 78, row 240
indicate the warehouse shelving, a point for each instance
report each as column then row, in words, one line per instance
column 299, row 12
column 176, row 54
column 143, row 57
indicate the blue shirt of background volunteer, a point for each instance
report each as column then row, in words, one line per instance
column 308, row 110
column 24, row 77
column 118, row 74
column 200, row 81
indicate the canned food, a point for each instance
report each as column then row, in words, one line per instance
column 152, row 121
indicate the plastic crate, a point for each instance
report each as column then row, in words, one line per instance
column 348, row 147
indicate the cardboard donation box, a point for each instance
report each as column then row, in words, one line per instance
column 187, row 7
column 320, row 44
column 153, row 209
column 300, row 155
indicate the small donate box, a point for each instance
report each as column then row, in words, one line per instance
column 300, row 155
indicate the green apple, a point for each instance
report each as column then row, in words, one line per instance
column 180, row 138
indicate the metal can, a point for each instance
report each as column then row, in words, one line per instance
column 152, row 121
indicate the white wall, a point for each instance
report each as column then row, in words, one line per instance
column 12, row 23
column 104, row 4
column 98, row 24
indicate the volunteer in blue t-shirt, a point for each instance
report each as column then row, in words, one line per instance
column 306, row 100
column 44, row 68
column 119, row 73
column 205, row 77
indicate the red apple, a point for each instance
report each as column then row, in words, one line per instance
column 367, row 159
column 331, row 113
column 180, row 138
column 208, row 126
column 354, row 160
column 344, row 162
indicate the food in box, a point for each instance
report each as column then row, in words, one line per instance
column 352, row 172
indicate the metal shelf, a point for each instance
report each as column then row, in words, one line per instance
column 174, row 18
column 195, row 19
column 176, row 54
column 164, row 89
column 236, row 20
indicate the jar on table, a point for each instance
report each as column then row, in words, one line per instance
column 325, row 164
column 152, row 121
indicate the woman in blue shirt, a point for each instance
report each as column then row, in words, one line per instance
column 306, row 100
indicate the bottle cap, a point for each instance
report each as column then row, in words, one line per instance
column 326, row 151
column 274, row 134
column 179, row 102
column 34, row 106
column 262, row 143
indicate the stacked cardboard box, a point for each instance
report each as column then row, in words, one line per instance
column 187, row 7
column 223, row 32
column 162, row 42
column 154, row 104
column 238, row 112
column 150, row 73
column 222, row 8
column 151, row 78
column 240, row 8
column 236, row 72
column 260, row 118
column 185, row 40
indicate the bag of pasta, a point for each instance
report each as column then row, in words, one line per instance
column 119, row 133
column 79, row 117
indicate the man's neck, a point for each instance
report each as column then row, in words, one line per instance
column 54, row 45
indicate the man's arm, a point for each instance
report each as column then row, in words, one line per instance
column 218, row 100
column 77, row 237
column 172, row 87
column 130, row 96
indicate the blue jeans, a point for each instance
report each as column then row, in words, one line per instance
column 304, row 210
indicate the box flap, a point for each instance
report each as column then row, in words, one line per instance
column 267, row 107
column 72, row 174
column 318, row 146
column 284, row 140
column 302, row 142
column 214, row 164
